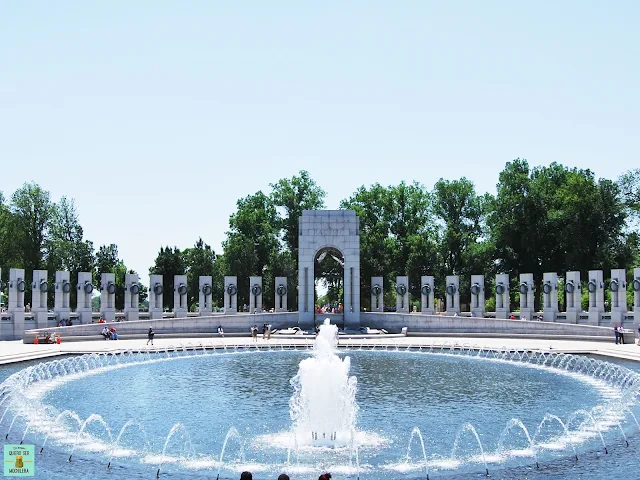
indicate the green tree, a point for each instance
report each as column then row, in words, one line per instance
column 66, row 250
column 31, row 209
column 463, row 249
column 199, row 261
column 629, row 184
column 168, row 263
column 9, row 256
column 252, row 242
column 293, row 196
column 556, row 219
column 396, row 234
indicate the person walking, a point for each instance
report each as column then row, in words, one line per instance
column 254, row 333
column 150, row 336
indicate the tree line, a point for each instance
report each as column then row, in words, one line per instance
column 541, row 219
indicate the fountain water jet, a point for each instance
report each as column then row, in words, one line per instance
column 414, row 432
column 323, row 407
column 469, row 427
column 513, row 423
column 172, row 432
column 128, row 424
column 94, row 417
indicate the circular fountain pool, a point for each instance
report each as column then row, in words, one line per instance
column 222, row 412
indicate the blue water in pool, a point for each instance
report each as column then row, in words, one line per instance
column 397, row 391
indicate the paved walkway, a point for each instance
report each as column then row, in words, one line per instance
column 16, row 351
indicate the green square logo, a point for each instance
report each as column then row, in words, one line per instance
column 19, row 461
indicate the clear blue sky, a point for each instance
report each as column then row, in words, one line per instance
column 156, row 116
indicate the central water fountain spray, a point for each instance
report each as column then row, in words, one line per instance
column 323, row 407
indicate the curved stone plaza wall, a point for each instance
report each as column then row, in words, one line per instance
column 416, row 324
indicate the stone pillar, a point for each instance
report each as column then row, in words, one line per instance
column 39, row 292
column 618, row 287
column 549, row 296
column 595, row 287
column 108, row 297
column 205, row 291
column 156, row 291
column 402, row 294
column 180, row 307
column 85, row 294
column 452, row 290
column 573, row 297
column 503, row 301
column 477, row 296
column 17, row 287
column 427, row 295
column 281, row 294
column 255, row 294
column 131, row 296
column 61, row 305
column 527, row 308
column 230, row 294
column 377, row 294
column 635, row 285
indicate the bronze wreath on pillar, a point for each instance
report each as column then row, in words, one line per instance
column 426, row 289
column 232, row 289
column 206, row 289
column 401, row 289
column 256, row 290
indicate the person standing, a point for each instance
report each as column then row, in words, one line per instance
column 254, row 333
column 617, row 332
column 150, row 336
column 621, row 333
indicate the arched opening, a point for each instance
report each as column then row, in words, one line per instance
column 328, row 276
